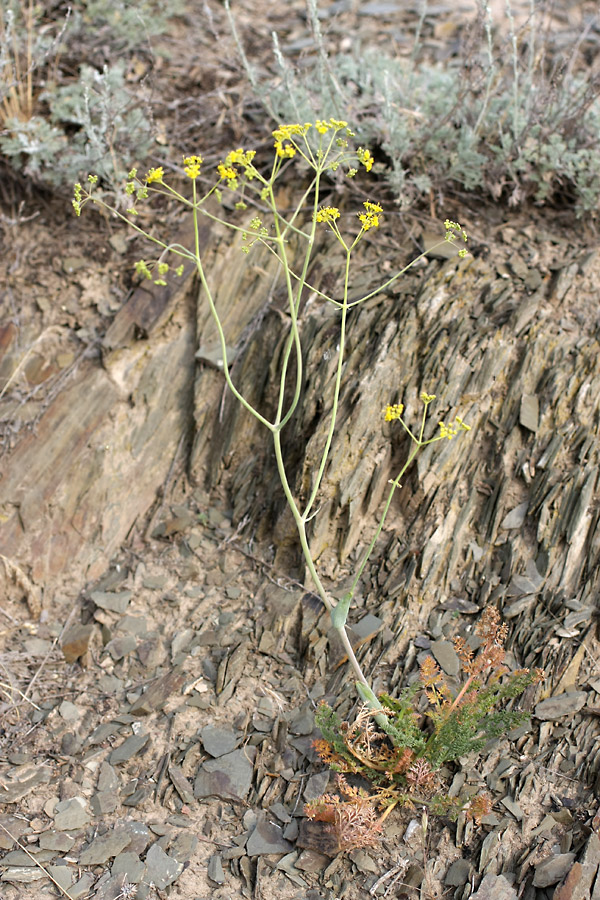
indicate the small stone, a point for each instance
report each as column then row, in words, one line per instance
column 76, row 641
column 140, row 836
column 446, row 656
column 20, row 858
column 113, row 602
column 316, row 785
column 515, row 517
column 70, row 815
column 138, row 796
column 121, row 646
column 82, row 887
column 129, row 864
column 312, row 861
column 488, row 849
column 68, row 711
column 181, row 784
column 495, row 887
column 552, row 869
column 183, row 847
column 214, row 869
column 303, row 720
column 108, row 778
column 110, row 684
column 561, row 705
column 266, row 838
column 104, row 848
column 279, row 810
column 63, row 875
column 157, row 693
column 27, row 780
column 364, row 862
column 103, row 802
column 129, row 748
column 513, row 808
column 458, row 873
column 151, row 652
column 228, row 777
column 22, row 874
column 161, row 869
column 218, row 741
column 530, row 412
column 56, row 840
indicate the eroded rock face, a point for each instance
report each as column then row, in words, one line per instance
column 502, row 512
column 73, row 485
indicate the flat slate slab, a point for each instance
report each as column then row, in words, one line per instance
column 228, row 777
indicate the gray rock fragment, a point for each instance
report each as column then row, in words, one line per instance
column 458, row 873
column 13, row 791
column 61, row 874
column 561, row 705
column 113, row 602
column 515, row 518
column 303, row 720
column 105, row 847
column 104, row 802
column 130, row 865
column 552, row 869
column 495, row 887
column 228, row 777
column 129, row 748
column 161, row 869
column 529, row 412
column 218, row 741
column 214, row 869
column 56, row 840
column 266, row 838
column 22, row 874
column 184, row 846
column 316, row 785
column 445, row 655
column 71, row 814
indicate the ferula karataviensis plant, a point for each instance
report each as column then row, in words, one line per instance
column 321, row 148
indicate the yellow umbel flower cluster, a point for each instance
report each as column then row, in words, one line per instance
column 365, row 158
column 155, row 175
column 393, row 411
column 449, row 431
column 327, row 214
column 288, row 132
column 370, row 218
column 191, row 166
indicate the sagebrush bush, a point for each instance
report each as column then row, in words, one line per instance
column 498, row 117
column 54, row 125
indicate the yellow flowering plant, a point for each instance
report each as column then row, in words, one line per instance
column 324, row 147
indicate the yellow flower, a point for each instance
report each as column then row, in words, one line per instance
column 393, row 411
column 462, row 424
column 191, row 166
column 227, row 173
column 370, row 218
column 155, row 175
column 427, row 398
column 447, row 431
column 240, row 157
column 365, row 158
column 327, row 214
column 284, row 152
